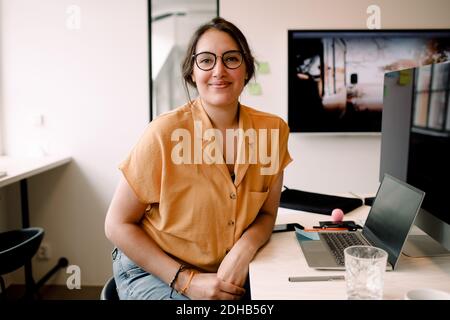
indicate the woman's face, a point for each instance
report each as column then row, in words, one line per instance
column 220, row 86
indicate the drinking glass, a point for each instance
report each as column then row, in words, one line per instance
column 364, row 272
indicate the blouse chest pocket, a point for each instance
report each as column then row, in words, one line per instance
column 254, row 204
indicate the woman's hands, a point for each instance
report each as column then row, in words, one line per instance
column 210, row 286
column 234, row 267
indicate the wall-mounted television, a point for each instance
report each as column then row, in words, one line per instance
column 335, row 77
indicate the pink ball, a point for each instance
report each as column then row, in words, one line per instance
column 337, row 215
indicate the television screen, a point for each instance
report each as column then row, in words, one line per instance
column 335, row 78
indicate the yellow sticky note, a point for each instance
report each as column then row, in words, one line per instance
column 254, row 89
column 405, row 77
column 263, row 68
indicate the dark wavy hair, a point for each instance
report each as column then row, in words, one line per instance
column 220, row 24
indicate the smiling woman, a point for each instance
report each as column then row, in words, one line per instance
column 200, row 221
column 219, row 85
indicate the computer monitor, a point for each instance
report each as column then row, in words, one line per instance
column 415, row 144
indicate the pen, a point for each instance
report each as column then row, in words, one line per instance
column 325, row 229
column 316, row 278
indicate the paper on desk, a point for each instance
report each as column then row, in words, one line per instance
column 305, row 236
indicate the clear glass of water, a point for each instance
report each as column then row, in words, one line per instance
column 364, row 272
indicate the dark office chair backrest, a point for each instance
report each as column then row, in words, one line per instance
column 109, row 291
column 17, row 247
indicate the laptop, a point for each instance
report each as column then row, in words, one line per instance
column 387, row 226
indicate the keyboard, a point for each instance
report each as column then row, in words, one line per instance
column 339, row 241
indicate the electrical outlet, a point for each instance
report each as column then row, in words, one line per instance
column 44, row 252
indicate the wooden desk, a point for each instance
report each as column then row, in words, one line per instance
column 18, row 169
column 282, row 257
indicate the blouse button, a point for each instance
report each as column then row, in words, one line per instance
column 231, row 223
column 232, row 195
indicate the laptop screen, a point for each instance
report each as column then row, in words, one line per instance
column 392, row 215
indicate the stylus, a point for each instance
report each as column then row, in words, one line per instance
column 316, row 278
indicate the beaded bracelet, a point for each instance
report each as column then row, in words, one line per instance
column 172, row 283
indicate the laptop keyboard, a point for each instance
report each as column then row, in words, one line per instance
column 339, row 241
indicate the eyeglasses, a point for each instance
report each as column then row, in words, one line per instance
column 207, row 60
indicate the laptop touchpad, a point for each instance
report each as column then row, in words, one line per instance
column 317, row 255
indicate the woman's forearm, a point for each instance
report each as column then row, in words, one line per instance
column 257, row 234
column 132, row 240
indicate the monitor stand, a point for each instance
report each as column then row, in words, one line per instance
column 423, row 246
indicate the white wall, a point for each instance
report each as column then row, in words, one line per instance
column 92, row 87
column 329, row 164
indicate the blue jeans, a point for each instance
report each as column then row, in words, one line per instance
column 134, row 283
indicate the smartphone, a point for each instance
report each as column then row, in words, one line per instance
column 286, row 227
column 350, row 225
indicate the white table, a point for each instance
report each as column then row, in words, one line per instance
column 18, row 169
column 282, row 257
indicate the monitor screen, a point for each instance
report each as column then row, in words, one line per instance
column 335, row 78
column 416, row 138
column 429, row 141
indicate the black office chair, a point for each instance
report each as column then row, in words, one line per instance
column 17, row 247
column 109, row 291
